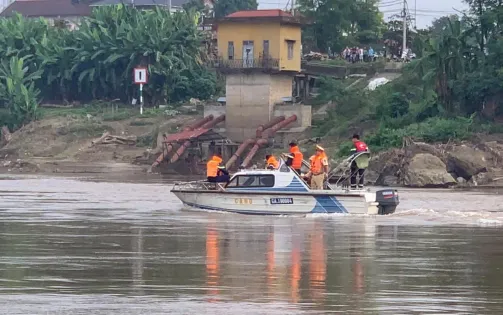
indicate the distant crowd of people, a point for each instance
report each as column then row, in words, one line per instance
column 359, row 54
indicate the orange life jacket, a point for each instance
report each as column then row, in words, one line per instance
column 298, row 157
column 317, row 164
column 272, row 161
column 212, row 166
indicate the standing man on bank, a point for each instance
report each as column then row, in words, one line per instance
column 298, row 157
column 319, row 168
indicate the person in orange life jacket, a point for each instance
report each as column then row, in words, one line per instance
column 271, row 162
column 215, row 172
column 319, row 168
column 289, row 159
column 360, row 146
column 298, row 157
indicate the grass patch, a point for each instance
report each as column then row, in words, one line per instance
column 120, row 115
column 93, row 109
column 138, row 122
column 88, row 129
column 159, row 112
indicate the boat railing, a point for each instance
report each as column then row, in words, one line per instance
column 197, row 185
column 342, row 172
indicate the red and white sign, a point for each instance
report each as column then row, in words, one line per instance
column 140, row 76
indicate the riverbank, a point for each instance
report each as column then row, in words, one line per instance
column 66, row 142
column 71, row 140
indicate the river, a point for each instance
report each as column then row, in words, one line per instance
column 86, row 246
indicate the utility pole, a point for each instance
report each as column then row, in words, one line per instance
column 415, row 14
column 404, row 42
column 293, row 7
column 169, row 6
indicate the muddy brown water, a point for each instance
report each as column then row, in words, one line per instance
column 88, row 246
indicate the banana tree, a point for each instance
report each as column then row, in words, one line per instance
column 21, row 96
column 443, row 63
column 97, row 60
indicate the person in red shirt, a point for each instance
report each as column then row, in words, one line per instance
column 360, row 146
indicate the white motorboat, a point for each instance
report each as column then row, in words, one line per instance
column 280, row 192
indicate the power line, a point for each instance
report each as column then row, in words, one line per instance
column 389, row 5
column 390, row 2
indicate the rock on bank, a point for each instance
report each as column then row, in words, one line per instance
column 439, row 165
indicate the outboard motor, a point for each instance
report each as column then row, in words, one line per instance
column 388, row 201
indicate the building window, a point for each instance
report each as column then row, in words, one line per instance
column 266, row 49
column 248, row 53
column 230, row 50
column 290, row 44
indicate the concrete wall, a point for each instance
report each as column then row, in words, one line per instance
column 247, row 103
column 303, row 113
column 280, row 86
column 250, row 100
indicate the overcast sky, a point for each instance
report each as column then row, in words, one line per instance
column 424, row 10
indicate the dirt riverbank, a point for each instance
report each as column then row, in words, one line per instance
column 66, row 144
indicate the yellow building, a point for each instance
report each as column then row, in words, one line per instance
column 260, row 39
column 259, row 53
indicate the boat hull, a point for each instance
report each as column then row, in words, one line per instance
column 274, row 203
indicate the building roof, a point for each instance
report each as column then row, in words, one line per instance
column 259, row 13
column 46, row 8
column 174, row 3
column 258, row 16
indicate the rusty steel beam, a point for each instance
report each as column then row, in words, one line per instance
column 264, row 140
column 186, row 144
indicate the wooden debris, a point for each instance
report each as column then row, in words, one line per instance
column 6, row 135
column 107, row 138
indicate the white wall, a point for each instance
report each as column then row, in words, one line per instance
column 4, row 4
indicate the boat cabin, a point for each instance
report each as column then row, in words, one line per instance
column 283, row 179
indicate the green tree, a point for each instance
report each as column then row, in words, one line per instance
column 442, row 63
column 225, row 7
column 197, row 5
column 335, row 24
column 487, row 18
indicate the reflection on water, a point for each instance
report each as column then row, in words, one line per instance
column 70, row 247
column 317, row 263
column 212, row 251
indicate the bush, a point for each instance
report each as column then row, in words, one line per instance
column 96, row 61
column 19, row 92
column 431, row 130
column 396, row 107
column 345, row 149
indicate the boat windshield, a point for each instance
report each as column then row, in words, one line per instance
column 260, row 180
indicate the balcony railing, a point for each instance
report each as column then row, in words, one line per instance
column 252, row 63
